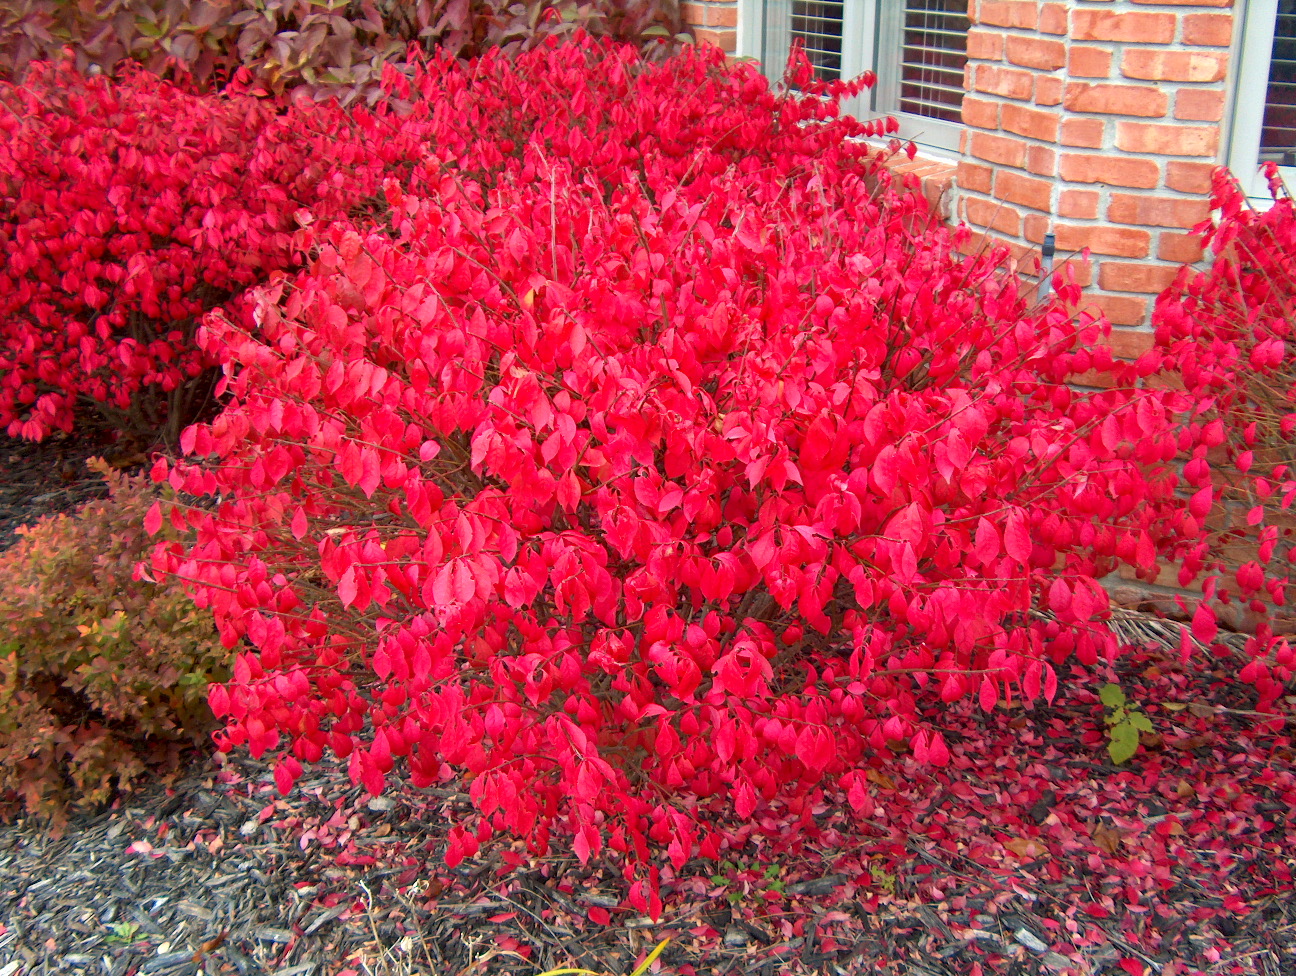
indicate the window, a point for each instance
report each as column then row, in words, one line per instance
column 1264, row 128
column 917, row 48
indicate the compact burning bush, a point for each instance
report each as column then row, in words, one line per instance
column 1228, row 333
column 102, row 678
column 654, row 454
column 129, row 209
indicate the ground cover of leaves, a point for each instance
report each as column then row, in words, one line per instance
column 1030, row 853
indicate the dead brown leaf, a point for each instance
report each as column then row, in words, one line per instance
column 1107, row 838
column 880, row 779
column 1025, row 847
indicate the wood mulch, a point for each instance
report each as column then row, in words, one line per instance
column 1031, row 854
column 981, row 870
column 45, row 479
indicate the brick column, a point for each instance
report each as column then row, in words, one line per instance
column 713, row 23
column 1099, row 120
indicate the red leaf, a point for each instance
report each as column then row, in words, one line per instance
column 1060, row 599
column 347, row 587
column 989, row 697
column 1200, row 503
column 1031, row 681
column 986, row 545
column 1204, row 627
column 153, row 520
column 600, row 916
column 299, row 525
column 937, row 752
column 218, row 700
column 1017, row 540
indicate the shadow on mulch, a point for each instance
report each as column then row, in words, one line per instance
column 51, row 477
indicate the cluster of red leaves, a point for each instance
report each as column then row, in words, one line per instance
column 127, row 210
column 652, row 448
column 1229, row 335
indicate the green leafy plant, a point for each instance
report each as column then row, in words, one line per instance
column 741, row 878
column 123, row 933
column 102, row 677
column 1124, row 723
column 884, row 879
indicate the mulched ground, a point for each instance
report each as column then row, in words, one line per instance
column 1029, row 854
column 45, row 479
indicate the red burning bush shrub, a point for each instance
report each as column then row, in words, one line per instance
column 129, row 209
column 654, row 457
column 1229, row 334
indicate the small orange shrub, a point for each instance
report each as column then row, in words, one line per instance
column 102, row 677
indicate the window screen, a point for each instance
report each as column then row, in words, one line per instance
column 818, row 23
column 1278, row 135
column 934, row 53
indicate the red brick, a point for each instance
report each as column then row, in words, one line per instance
column 1091, row 378
column 1029, row 192
column 723, row 15
column 1150, row 278
column 978, row 242
column 1141, row 100
column 1074, row 268
column 1084, row 61
column 981, row 113
column 1113, row 170
column 1189, row 3
column 1053, row 18
column 1199, row 104
column 975, row 177
column 1008, row 82
column 1159, row 65
column 1150, row 211
column 1130, row 344
column 1078, row 203
column 1168, row 140
column 1007, row 13
column 1030, row 122
column 1041, row 160
column 1139, row 28
column 1083, row 132
column 996, row 216
column 710, row 15
column 725, row 40
column 997, row 149
column 1036, row 52
column 1189, row 177
column 1121, row 309
column 1121, row 242
column 985, row 45
column 1180, row 248
column 1048, row 90
column 935, row 190
column 1035, row 226
column 1208, row 30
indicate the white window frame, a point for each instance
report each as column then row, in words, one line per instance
column 1252, row 51
column 865, row 23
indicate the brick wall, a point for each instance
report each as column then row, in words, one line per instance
column 713, row 23
column 1099, row 120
